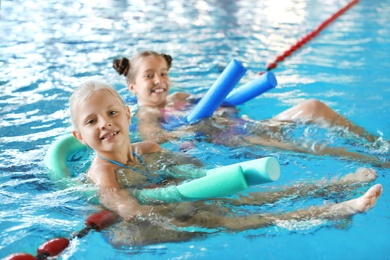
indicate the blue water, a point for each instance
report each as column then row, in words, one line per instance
column 47, row 48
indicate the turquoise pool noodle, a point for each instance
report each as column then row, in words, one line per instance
column 221, row 184
column 55, row 159
column 218, row 182
column 58, row 153
column 256, row 171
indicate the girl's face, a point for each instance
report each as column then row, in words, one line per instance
column 151, row 81
column 103, row 122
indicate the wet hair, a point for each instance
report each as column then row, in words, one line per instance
column 83, row 92
column 128, row 68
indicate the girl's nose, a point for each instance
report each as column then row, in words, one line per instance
column 156, row 79
column 106, row 124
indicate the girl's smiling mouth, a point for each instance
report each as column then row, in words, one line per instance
column 109, row 135
column 158, row 90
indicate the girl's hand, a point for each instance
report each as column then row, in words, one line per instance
column 121, row 202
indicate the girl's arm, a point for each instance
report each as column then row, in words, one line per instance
column 150, row 127
column 123, row 203
column 179, row 97
column 113, row 196
column 179, row 166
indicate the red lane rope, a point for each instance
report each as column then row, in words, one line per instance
column 54, row 247
column 308, row 36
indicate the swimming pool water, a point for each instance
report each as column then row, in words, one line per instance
column 48, row 48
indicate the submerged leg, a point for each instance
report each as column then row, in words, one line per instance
column 339, row 210
column 156, row 228
column 335, row 211
column 361, row 204
column 315, row 111
column 314, row 149
column 316, row 189
column 150, row 230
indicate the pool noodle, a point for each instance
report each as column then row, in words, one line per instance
column 215, row 96
column 256, row 172
column 55, row 160
column 251, row 89
column 58, row 153
column 219, row 182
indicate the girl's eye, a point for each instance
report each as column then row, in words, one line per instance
column 91, row 121
column 149, row 76
column 112, row 113
column 164, row 74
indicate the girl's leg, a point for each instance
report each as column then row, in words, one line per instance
column 339, row 210
column 150, row 230
column 314, row 111
column 335, row 211
column 316, row 149
column 316, row 189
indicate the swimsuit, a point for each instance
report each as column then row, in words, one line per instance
column 127, row 166
column 138, row 178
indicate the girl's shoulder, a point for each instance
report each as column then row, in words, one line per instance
column 146, row 147
column 102, row 174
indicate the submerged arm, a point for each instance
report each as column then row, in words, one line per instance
column 113, row 196
column 150, row 126
column 122, row 202
column 169, row 165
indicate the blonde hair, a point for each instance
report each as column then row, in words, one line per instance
column 128, row 68
column 83, row 92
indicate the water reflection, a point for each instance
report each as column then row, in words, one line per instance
column 47, row 48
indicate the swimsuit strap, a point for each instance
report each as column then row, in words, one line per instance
column 142, row 162
column 127, row 166
column 114, row 162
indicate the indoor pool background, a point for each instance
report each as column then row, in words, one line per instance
column 47, row 48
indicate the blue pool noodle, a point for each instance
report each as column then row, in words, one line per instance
column 251, row 89
column 217, row 93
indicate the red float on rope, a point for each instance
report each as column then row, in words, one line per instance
column 54, row 247
column 308, row 37
column 20, row 256
column 101, row 220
